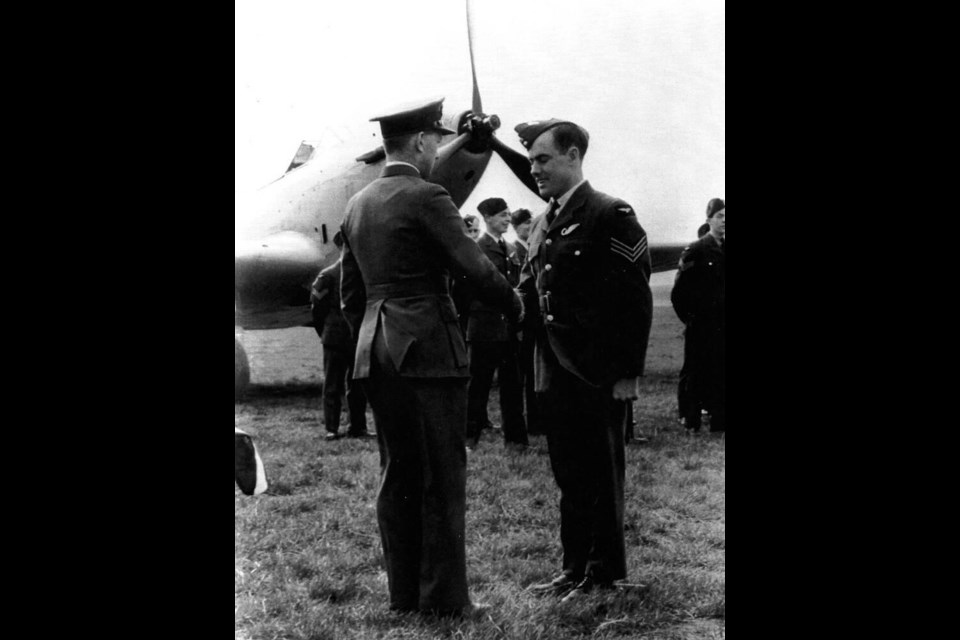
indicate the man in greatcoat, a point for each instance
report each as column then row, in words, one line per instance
column 699, row 299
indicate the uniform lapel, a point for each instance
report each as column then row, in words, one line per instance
column 537, row 234
column 576, row 201
column 489, row 244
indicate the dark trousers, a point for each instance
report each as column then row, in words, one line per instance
column 337, row 382
column 421, row 505
column 485, row 358
column 705, row 357
column 683, row 385
column 586, row 443
column 535, row 424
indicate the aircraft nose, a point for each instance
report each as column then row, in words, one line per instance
column 276, row 271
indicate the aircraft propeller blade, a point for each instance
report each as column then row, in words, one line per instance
column 517, row 162
column 447, row 150
column 477, row 106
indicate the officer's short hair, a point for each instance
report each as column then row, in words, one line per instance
column 714, row 206
column 703, row 230
column 491, row 206
column 568, row 135
column 397, row 144
column 520, row 216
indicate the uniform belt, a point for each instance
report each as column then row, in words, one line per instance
column 406, row 289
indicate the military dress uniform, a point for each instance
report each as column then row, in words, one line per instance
column 493, row 347
column 403, row 238
column 587, row 275
column 338, row 352
column 698, row 297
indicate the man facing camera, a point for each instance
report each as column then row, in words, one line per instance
column 492, row 339
column 699, row 299
column 587, row 279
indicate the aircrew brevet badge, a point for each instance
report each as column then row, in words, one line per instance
column 569, row 229
column 630, row 253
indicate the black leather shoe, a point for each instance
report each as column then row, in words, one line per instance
column 585, row 586
column 361, row 434
column 558, row 586
column 330, row 435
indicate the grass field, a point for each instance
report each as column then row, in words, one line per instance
column 307, row 554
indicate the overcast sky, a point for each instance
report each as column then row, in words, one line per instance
column 646, row 78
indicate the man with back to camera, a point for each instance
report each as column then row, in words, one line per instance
column 492, row 340
column 699, row 299
column 587, row 277
column 403, row 238
column 338, row 352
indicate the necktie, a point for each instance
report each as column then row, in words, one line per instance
column 552, row 213
column 503, row 246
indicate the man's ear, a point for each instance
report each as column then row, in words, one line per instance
column 573, row 153
column 420, row 145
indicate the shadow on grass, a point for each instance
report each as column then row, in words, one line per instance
column 295, row 389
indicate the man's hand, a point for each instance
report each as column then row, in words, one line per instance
column 626, row 389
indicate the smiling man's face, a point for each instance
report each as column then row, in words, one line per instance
column 554, row 170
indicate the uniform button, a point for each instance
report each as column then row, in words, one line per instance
column 577, row 252
column 550, row 318
column 548, row 267
column 548, row 242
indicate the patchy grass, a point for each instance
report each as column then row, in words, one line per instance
column 308, row 563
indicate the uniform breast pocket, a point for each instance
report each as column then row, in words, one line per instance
column 575, row 255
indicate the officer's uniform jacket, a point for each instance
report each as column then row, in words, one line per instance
column 487, row 323
column 325, row 304
column 587, row 276
column 403, row 239
column 698, row 294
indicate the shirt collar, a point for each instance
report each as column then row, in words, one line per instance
column 395, row 162
column 562, row 200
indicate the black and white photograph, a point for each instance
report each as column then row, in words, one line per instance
column 480, row 319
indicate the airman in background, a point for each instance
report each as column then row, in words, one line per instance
column 699, row 299
column 492, row 339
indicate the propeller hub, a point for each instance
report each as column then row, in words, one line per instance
column 480, row 127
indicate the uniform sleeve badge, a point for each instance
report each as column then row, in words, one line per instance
column 631, row 253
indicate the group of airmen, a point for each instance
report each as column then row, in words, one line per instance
column 563, row 317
